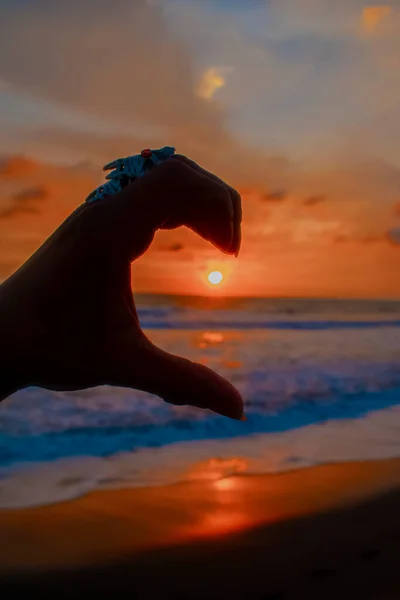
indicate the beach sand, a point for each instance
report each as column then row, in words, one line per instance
column 330, row 531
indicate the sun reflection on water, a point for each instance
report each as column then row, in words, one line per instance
column 215, row 469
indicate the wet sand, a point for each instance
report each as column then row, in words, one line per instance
column 325, row 532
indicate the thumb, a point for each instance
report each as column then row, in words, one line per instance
column 179, row 381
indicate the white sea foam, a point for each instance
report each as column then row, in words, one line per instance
column 374, row 436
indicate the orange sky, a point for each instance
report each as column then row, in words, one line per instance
column 300, row 116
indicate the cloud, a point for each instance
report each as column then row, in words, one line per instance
column 233, row 161
column 18, row 209
column 393, row 236
column 299, row 250
column 34, row 193
column 362, row 239
column 175, row 247
column 372, row 16
column 273, row 74
column 48, row 191
column 274, row 196
column 313, row 200
column 340, row 239
column 134, row 85
column 371, row 239
column 212, row 80
column 125, row 66
column 25, row 202
column 12, row 166
column 305, row 230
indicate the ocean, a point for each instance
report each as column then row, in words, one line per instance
column 320, row 381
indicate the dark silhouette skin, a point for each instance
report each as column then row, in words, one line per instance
column 67, row 316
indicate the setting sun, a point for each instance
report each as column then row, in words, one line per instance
column 215, row 277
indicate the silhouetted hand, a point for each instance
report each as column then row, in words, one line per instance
column 67, row 316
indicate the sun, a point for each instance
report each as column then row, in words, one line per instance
column 215, row 277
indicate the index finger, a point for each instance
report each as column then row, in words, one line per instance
column 172, row 192
column 234, row 195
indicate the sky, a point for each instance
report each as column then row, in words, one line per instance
column 293, row 102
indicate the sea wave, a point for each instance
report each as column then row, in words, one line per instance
column 376, row 435
column 103, row 432
column 295, row 325
column 304, row 368
column 257, row 313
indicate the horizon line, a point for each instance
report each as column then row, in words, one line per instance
column 271, row 297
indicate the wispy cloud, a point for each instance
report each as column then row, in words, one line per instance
column 14, row 166
column 31, row 194
column 394, row 236
column 313, row 200
column 212, row 80
column 106, row 67
column 26, row 201
column 175, row 247
column 274, row 196
column 19, row 209
column 366, row 240
column 372, row 16
column 287, row 101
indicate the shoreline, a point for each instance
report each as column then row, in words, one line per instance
column 373, row 436
column 105, row 525
column 325, row 532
